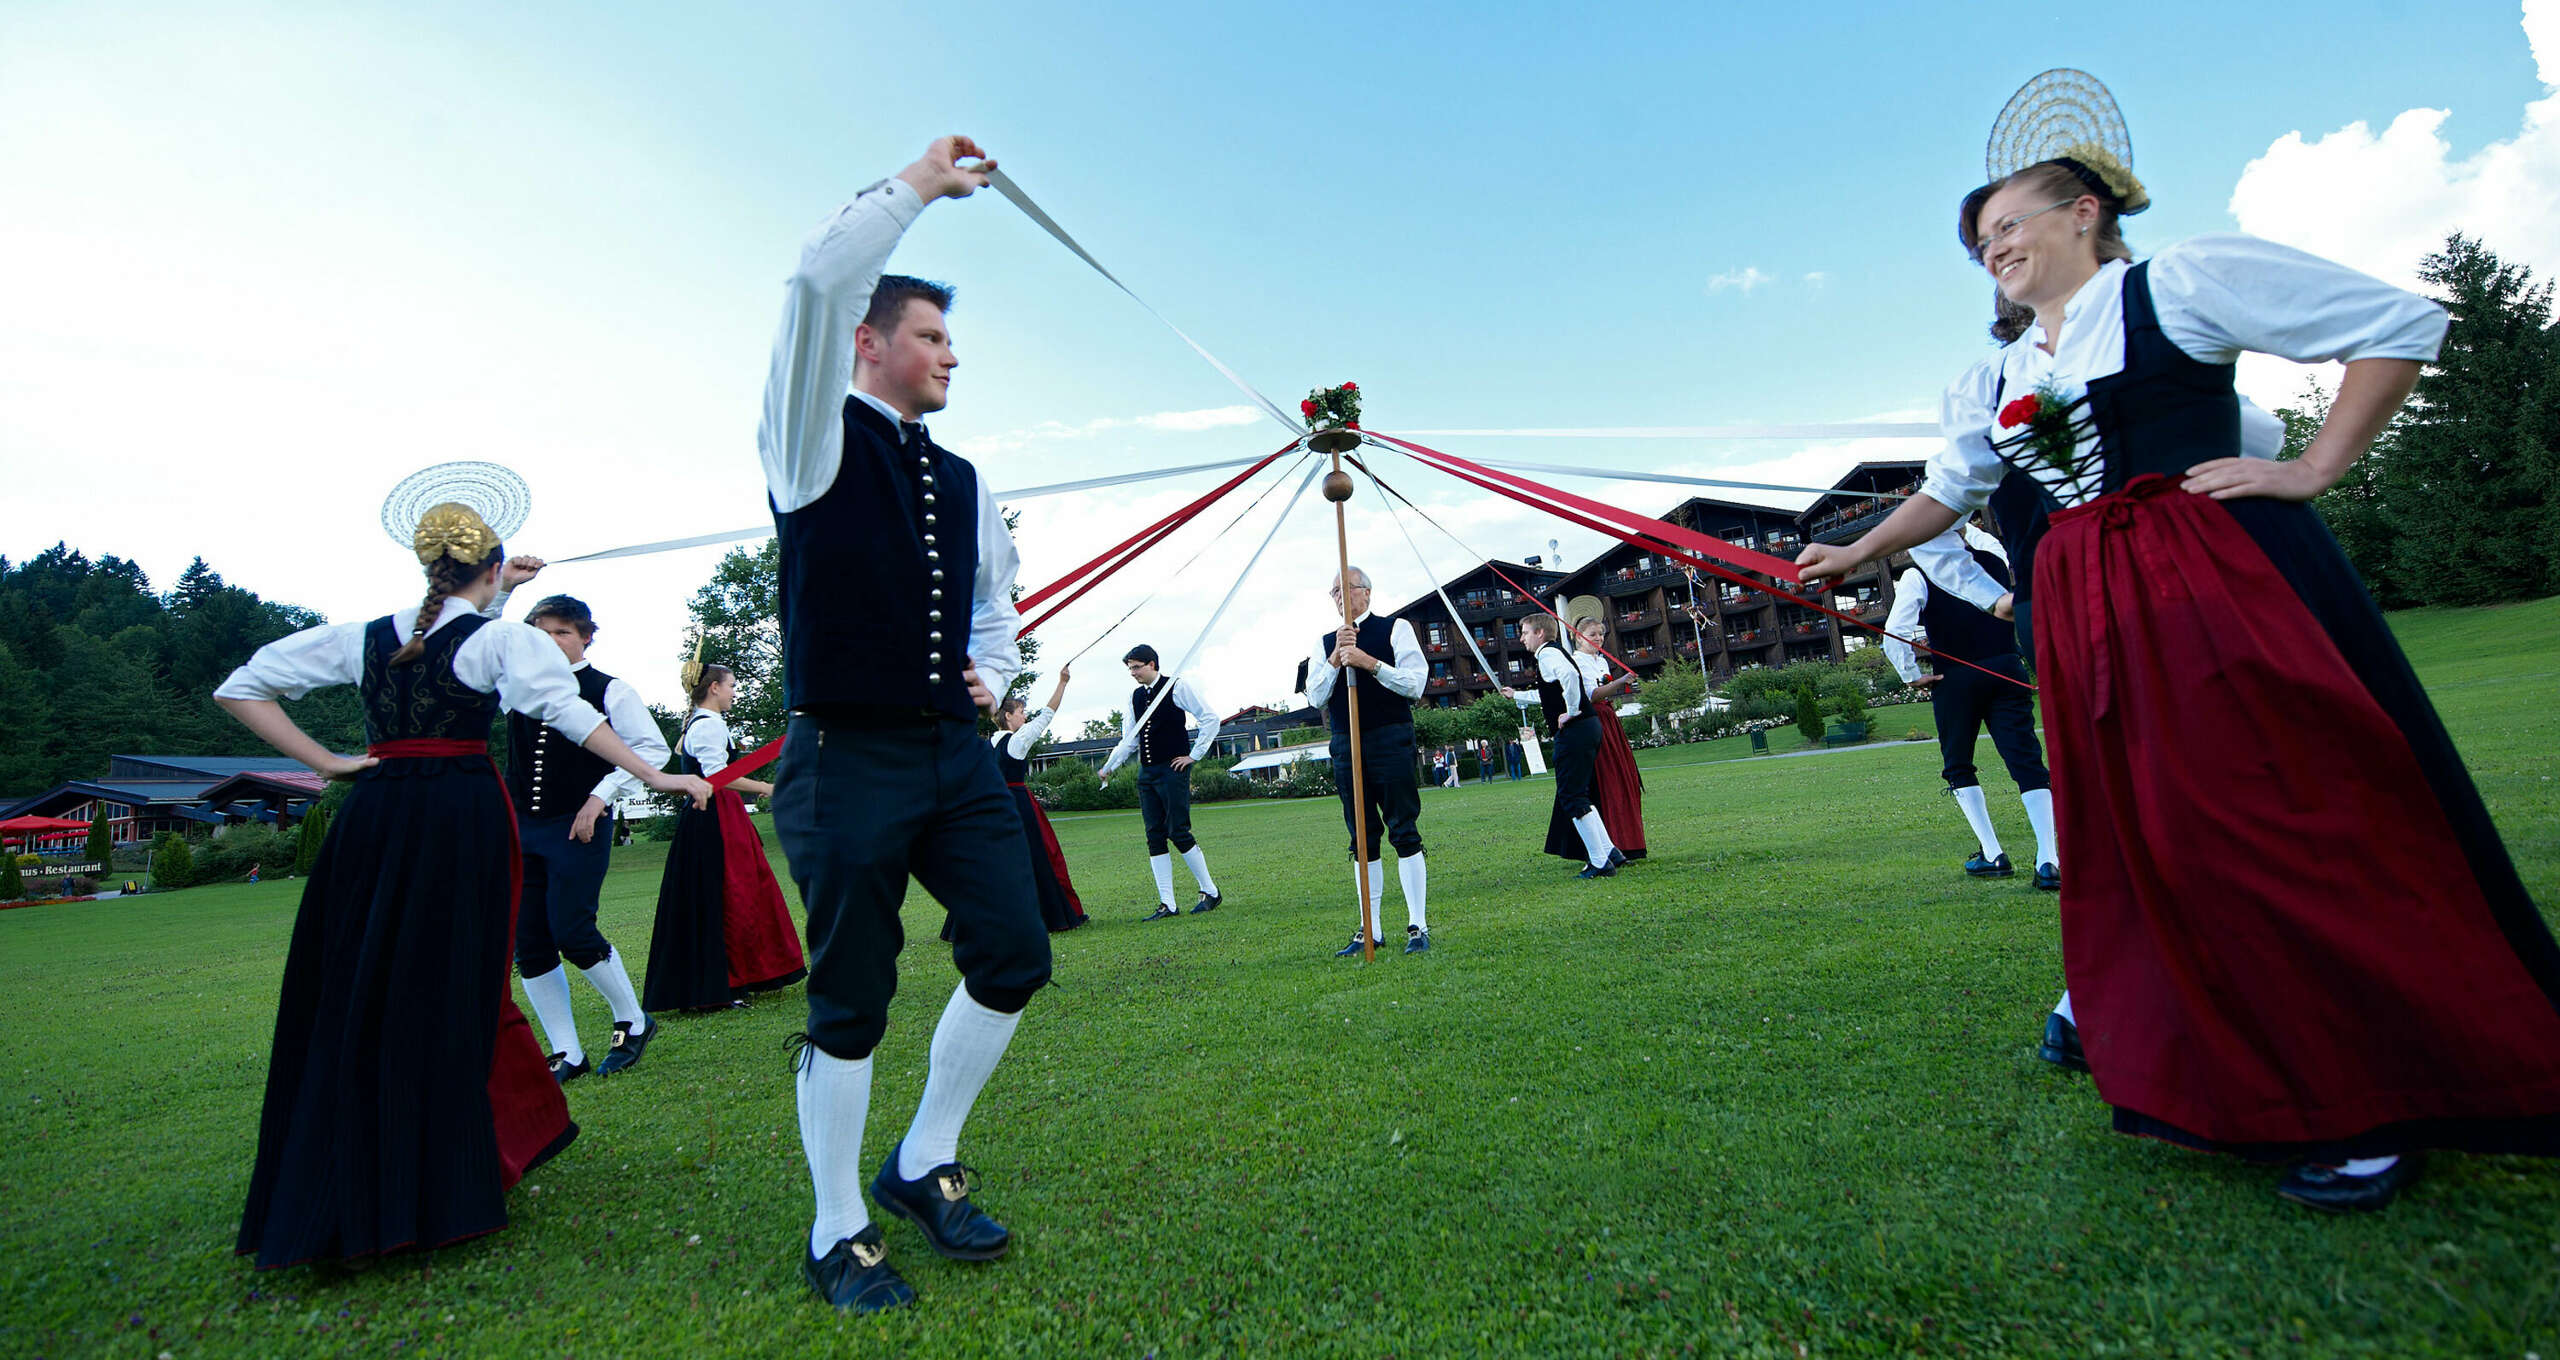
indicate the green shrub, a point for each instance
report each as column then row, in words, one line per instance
column 1306, row 779
column 1850, row 707
column 173, row 865
column 308, row 840
column 12, row 887
column 1809, row 714
column 102, row 842
column 230, row 855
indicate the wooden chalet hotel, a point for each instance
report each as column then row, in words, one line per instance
column 1645, row 595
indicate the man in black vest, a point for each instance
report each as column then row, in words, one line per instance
column 898, row 629
column 1159, row 713
column 564, row 798
column 1931, row 600
column 1387, row 691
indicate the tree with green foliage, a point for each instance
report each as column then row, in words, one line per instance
column 12, row 887
column 1850, row 709
column 1105, row 729
column 173, row 865
column 314, row 831
column 1680, row 688
column 1809, row 714
column 101, row 849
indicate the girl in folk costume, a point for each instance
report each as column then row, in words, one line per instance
column 1022, row 727
column 2290, row 930
column 405, row 1092
column 1617, row 787
column 1574, row 828
column 723, row 930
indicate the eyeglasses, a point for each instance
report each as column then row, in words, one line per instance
column 1982, row 246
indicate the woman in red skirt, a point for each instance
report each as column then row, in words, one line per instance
column 1617, row 787
column 723, row 931
column 1020, row 729
column 2291, row 931
column 405, row 1092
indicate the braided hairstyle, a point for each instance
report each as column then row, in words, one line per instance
column 446, row 576
column 699, row 684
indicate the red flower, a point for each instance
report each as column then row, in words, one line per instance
column 1307, row 408
column 1351, row 387
column 2019, row 412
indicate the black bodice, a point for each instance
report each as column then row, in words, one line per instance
column 423, row 700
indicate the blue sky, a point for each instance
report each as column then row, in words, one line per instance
column 258, row 262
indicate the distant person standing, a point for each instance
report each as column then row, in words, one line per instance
column 1155, row 737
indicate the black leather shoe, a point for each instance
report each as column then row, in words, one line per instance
column 626, row 1048
column 1598, row 871
column 2049, row 877
column 855, row 1274
column 1161, row 912
column 2330, row 1190
column 1208, row 902
column 938, row 1202
column 1617, row 858
column 2061, row 1045
column 1989, row 868
column 1416, row 939
column 1351, row 950
column 564, row 1071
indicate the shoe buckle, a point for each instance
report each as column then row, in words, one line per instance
column 619, row 1035
column 867, row 1254
column 954, row 1184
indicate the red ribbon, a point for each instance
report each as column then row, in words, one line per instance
column 1136, row 544
column 1655, row 539
column 747, row 764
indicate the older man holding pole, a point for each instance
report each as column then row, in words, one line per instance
column 1383, row 658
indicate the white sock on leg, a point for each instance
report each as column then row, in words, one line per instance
column 2368, row 1166
column 1162, row 867
column 1595, row 838
column 615, row 983
column 2063, row 1008
column 835, row 1099
column 549, row 993
column 1978, row 814
column 1414, row 874
column 1198, row 864
column 1371, row 921
column 965, row 1048
column 2040, row 816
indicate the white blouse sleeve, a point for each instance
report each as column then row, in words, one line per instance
column 1964, row 471
column 1949, row 567
column 523, row 666
column 1910, row 592
column 1018, row 744
column 2261, row 432
column 706, row 739
column 2220, row 295
column 293, row 666
column 638, row 727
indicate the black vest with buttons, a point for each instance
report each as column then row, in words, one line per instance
column 1551, row 693
column 1379, row 705
column 877, row 577
column 1166, row 737
column 1959, row 629
column 549, row 775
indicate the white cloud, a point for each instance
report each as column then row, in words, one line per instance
column 1178, row 422
column 2382, row 202
column 1817, row 278
column 1748, row 278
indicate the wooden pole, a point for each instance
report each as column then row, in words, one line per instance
column 1337, row 489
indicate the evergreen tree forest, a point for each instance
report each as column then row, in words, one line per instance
column 94, row 660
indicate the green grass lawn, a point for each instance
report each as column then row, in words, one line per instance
column 1772, row 1092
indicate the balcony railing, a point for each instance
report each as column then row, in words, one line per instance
column 1640, row 655
column 1812, row 628
column 1744, row 599
column 1743, row 637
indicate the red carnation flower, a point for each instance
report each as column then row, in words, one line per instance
column 1351, row 387
column 1306, row 408
column 2019, row 412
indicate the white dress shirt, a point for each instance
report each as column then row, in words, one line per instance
column 1568, row 675
column 1943, row 563
column 706, row 739
column 1018, row 742
column 521, row 666
column 1185, row 697
column 1404, row 674
column 801, row 434
column 623, row 708
column 2217, row 297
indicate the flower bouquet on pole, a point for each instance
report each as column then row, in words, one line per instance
column 1333, row 414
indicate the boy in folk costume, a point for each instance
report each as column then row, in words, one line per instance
column 564, row 798
column 1155, row 737
column 898, row 628
column 1574, row 829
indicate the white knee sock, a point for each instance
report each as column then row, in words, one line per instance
column 1416, row 877
column 1377, row 893
column 2040, row 816
column 835, row 1098
column 1162, row 867
column 611, row 980
column 2063, row 1008
column 1595, row 838
column 1198, row 864
column 549, row 993
column 2369, row 1166
column 965, row 1048
column 1978, row 813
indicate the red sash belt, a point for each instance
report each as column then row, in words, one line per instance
column 421, row 747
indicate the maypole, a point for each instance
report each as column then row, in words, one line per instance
column 1333, row 441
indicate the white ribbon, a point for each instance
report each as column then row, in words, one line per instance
column 1845, row 430
column 1004, row 185
column 1627, row 475
column 1221, row 611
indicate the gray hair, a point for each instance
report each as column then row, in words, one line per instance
column 1359, row 578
